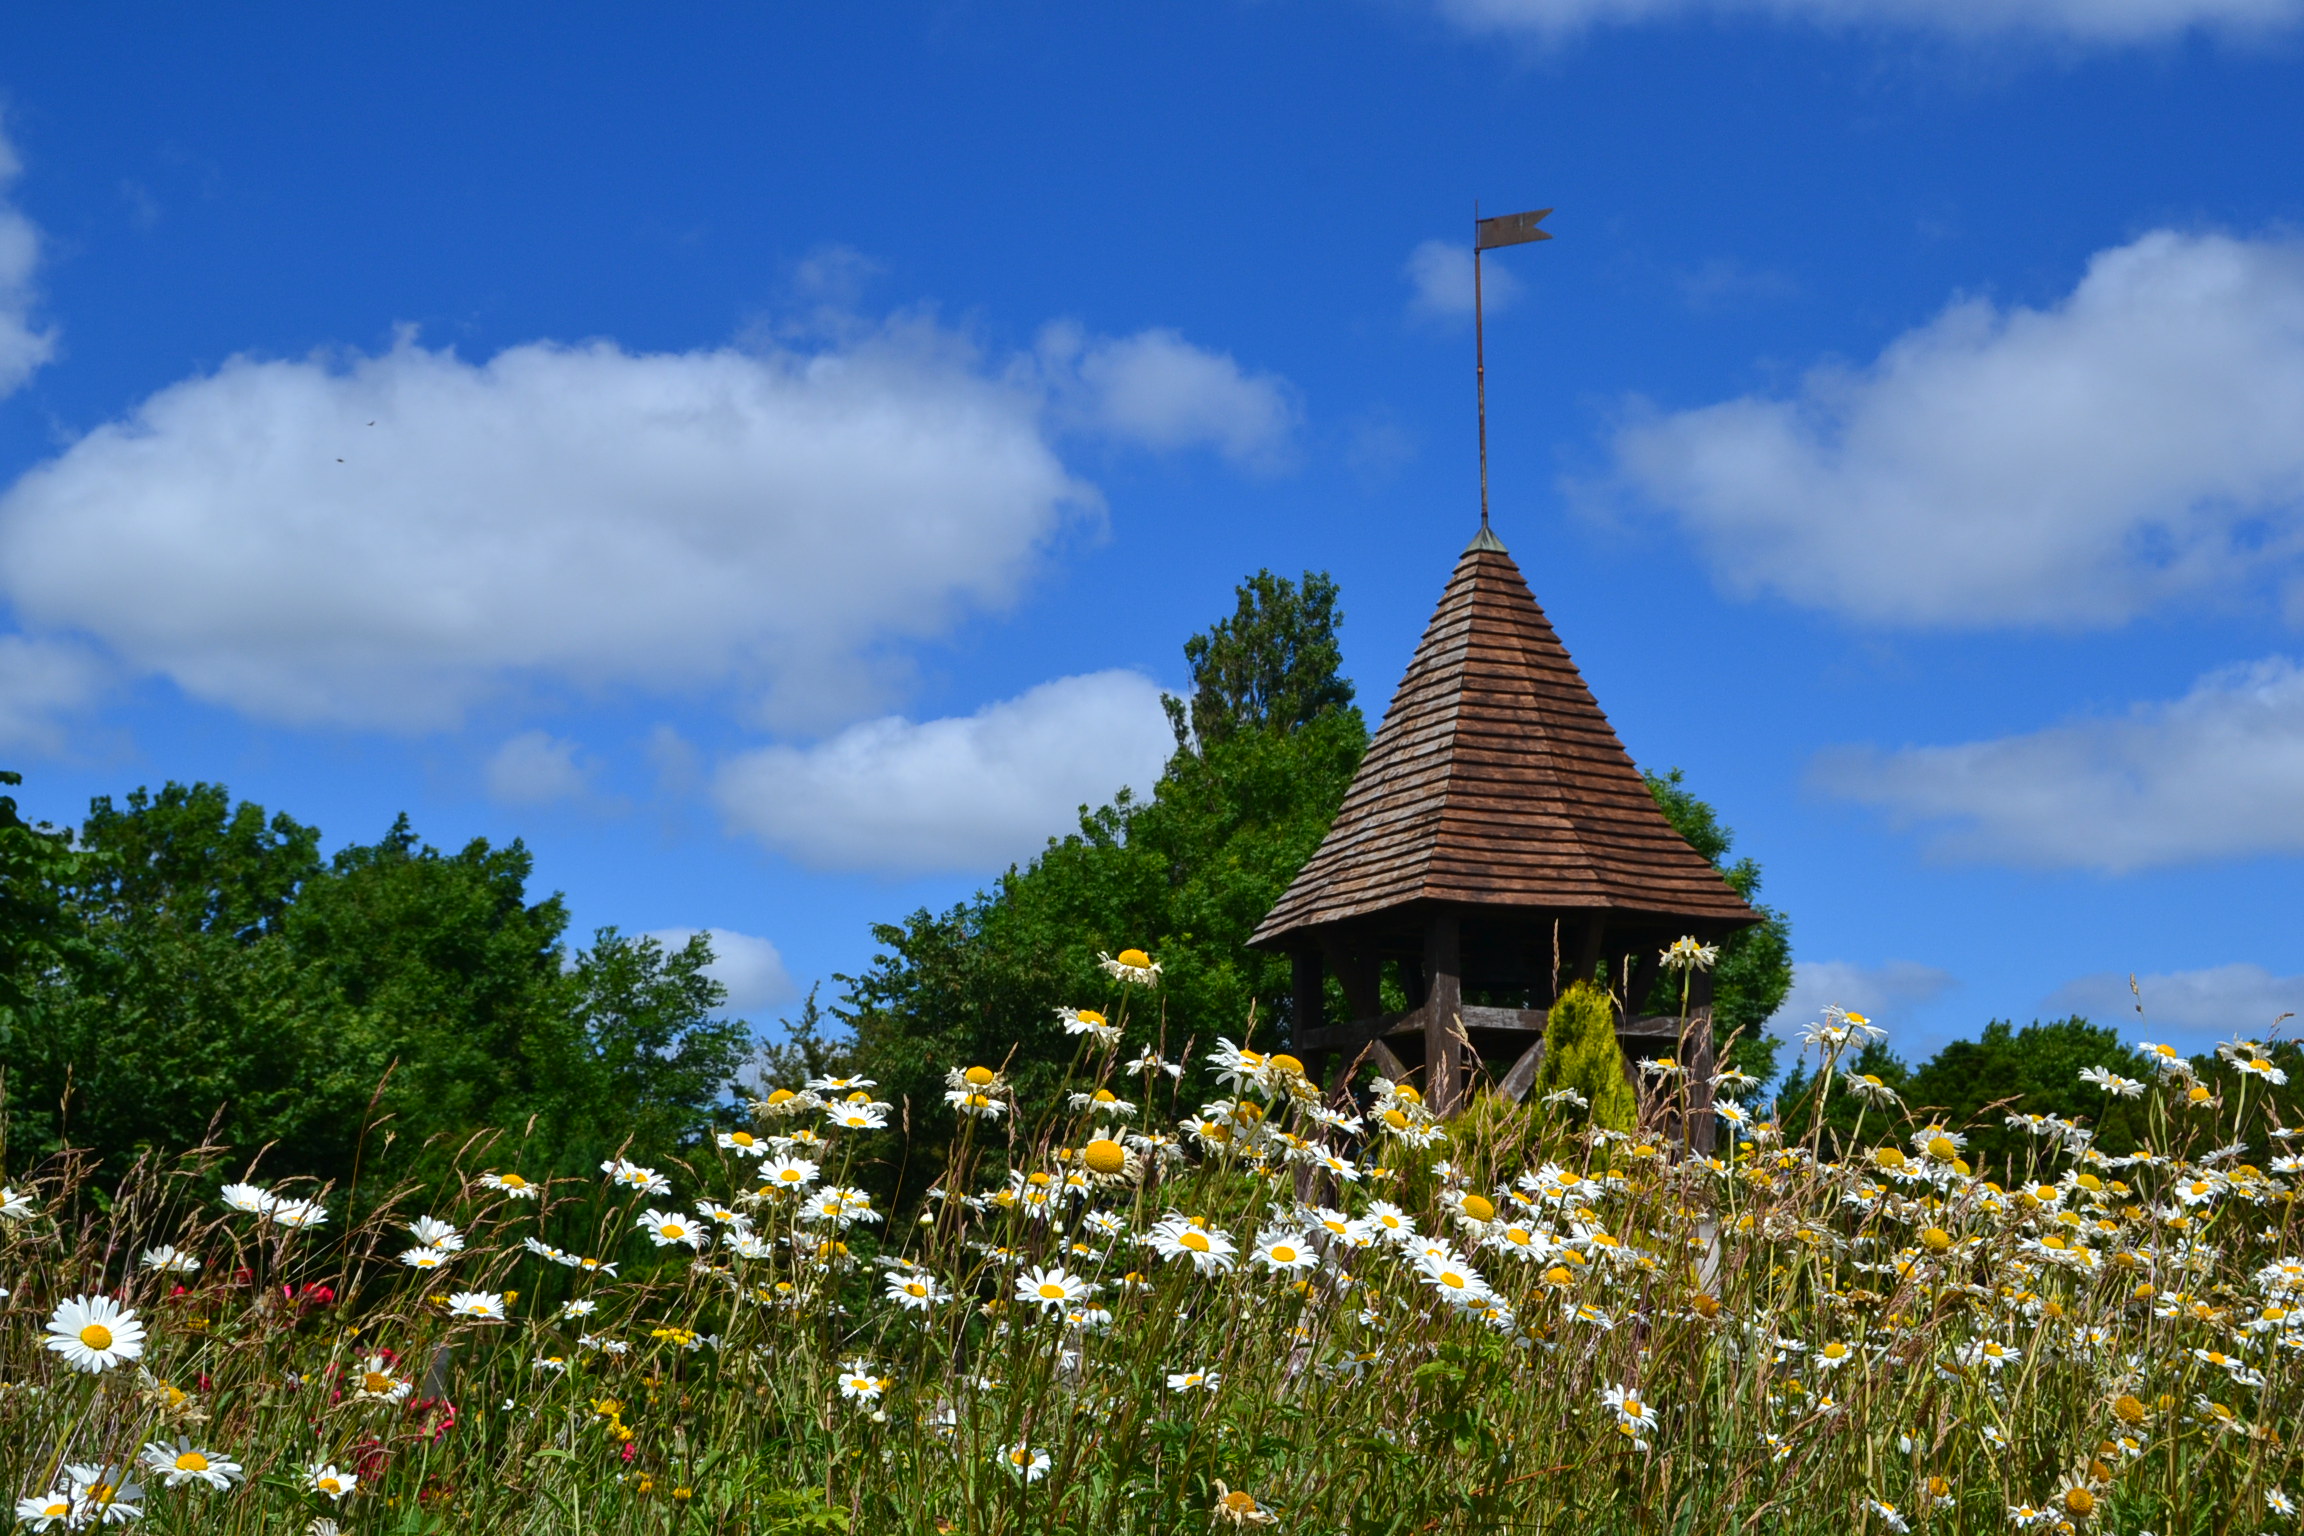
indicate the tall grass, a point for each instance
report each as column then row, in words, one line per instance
column 1518, row 1322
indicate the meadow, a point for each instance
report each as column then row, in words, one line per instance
column 1137, row 1306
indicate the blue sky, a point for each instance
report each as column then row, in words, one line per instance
column 770, row 462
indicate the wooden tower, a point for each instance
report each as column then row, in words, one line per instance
column 1497, row 843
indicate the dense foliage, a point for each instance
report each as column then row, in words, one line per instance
column 193, row 970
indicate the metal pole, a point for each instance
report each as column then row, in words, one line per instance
column 1480, row 365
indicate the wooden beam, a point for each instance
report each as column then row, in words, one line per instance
column 1444, row 1000
column 1522, row 1077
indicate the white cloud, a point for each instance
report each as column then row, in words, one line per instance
column 41, row 680
column 383, row 540
column 537, row 768
column 970, row 794
column 2214, row 774
column 2130, row 447
column 23, row 345
column 1880, row 992
column 2218, row 1003
column 2089, row 21
column 1439, row 274
column 1157, row 389
column 747, row 965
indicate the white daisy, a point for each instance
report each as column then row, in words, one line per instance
column 184, row 1462
column 94, row 1333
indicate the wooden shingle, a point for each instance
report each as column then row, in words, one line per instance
column 1495, row 781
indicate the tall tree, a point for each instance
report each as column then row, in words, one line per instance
column 1265, row 749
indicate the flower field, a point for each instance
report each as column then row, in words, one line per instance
column 1143, row 1307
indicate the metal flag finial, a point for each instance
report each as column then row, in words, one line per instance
column 1487, row 235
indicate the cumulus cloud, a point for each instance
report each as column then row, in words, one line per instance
column 748, row 966
column 382, row 540
column 41, row 683
column 969, row 794
column 1439, row 274
column 24, row 345
column 1158, row 390
column 537, row 768
column 1880, row 992
column 2087, row 21
column 2218, row 1003
column 2211, row 775
column 2129, row 447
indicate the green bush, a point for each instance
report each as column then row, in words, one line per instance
column 1581, row 1053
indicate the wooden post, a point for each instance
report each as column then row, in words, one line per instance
column 1443, row 1002
column 1698, row 1056
column 1308, row 1009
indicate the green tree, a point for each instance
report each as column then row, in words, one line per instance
column 1265, row 751
column 1581, row 1056
column 224, row 983
column 1754, row 973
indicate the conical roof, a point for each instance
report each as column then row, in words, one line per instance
column 1496, row 781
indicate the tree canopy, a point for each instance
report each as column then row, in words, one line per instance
column 209, row 976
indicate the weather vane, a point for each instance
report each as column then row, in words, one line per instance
column 1487, row 235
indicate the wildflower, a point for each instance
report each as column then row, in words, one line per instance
column 1130, row 965
column 1634, row 1416
column 2076, row 1499
column 1104, row 1102
column 857, row 1117
column 632, row 1176
column 1195, row 1381
column 169, row 1259
column 1236, row 1065
column 1051, row 1287
column 1184, row 1237
column 40, row 1511
column 786, row 1174
column 858, row 1384
column 1025, row 1462
column 425, row 1258
column 742, row 1143
column 479, row 1306
column 1686, row 954
column 1148, row 1063
column 297, row 1215
column 249, row 1199
column 1732, row 1112
column 917, row 1290
column 2111, row 1082
column 976, row 1103
column 664, row 1228
column 1284, row 1251
column 1866, row 1086
column 2279, row 1503
column 1453, row 1278
column 1390, row 1222
column 2257, row 1066
column 2166, row 1058
column 103, row 1493
column 435, row 1233
column 1087, row 1021
column 323, row 1478
column 376, row 1381
column 1989, row 1352
column 94, row 1333
column 1108, row 1159
column 509, row 1184
column 1889, row 1515
column 1832, row 1356
column 1240, row 1507
column 838, row 1206
column 184, row 1462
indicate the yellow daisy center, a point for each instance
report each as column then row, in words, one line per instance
column 2079, row 1501
column 1941, row 1146
column 741, row 1138
column 1479, row 1207
column 977, row 1077
column 1104, row 1156
column 1136, row 958
column 1283, row 1254
column 1196, row 1241
column 96, row 1336
column 1051, row 1292
column 513, row 1181
column 375, row 1381
column 191, row 1461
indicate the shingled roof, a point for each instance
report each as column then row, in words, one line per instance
column 1496, row 781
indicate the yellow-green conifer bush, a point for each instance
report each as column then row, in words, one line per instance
column 1581, row 1053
